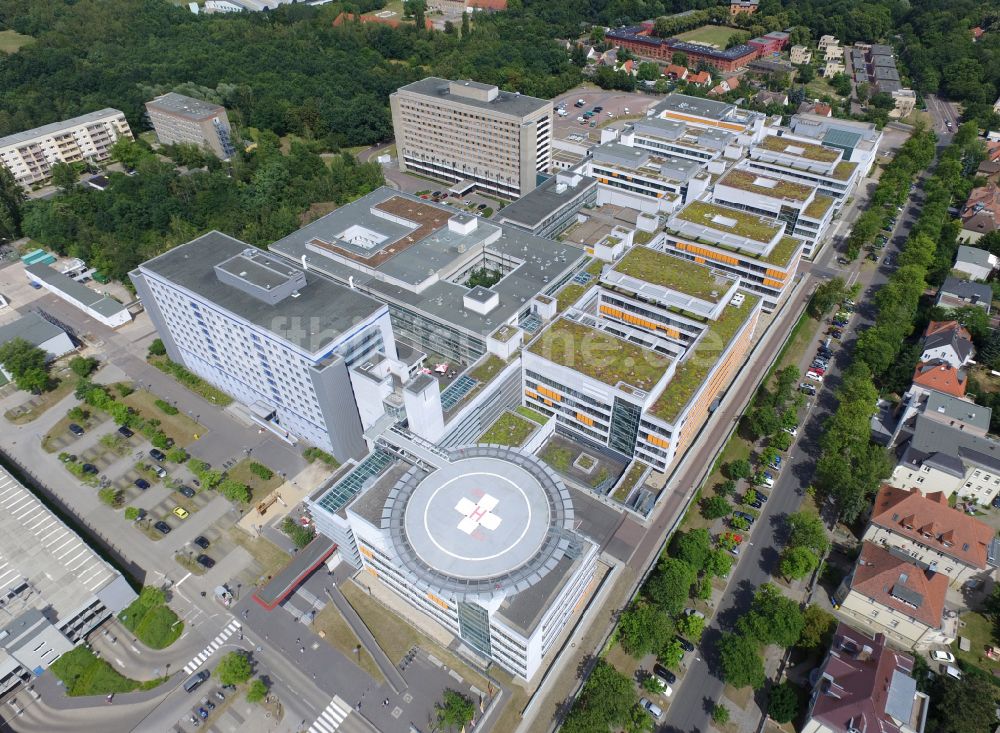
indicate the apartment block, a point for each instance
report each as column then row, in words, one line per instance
column 276, row 337
column 752, row 248
column 637, row 366
column 933, row 535
column 806, row 212
column 470, row 132
column 177, row 119
column 30, row 155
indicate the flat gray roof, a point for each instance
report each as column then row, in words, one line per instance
column 319, row 315
column 948, row 449
column 974, row 256
column 35, row 546
column 939, row 403
column 709, row 108
column 32, row 328
column 967, row 290
column 184, row 106
column 103, row 304
column 664, row 165
column 422, row 271
column 510, row 103
column 534, row 207
column 54, row 127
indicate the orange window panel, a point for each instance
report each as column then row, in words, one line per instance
column 371, row 570
column 531, row 394
column 434, row 599
column 366, row 552
column 658, row 441
column 584, row 419
column 548, row 402
column 549, row 393
column 773, row 283
column 776, row 274
column 700, row 260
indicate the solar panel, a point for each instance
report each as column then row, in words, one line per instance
column 582, row 278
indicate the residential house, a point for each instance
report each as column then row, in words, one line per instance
column 956, row 293
column 931, row 534
column 980, row 213
column 699, row 79
column 833, row 53
column 977, row 33
column 742, row 6
column 976, row 263
column 726, row 85
column 832, row 67
column 948, row 458
column 959, row 413
column 815, row 108
column 864, row 685
column 801, row 55
column 766, row 97
column 827, row 41
column 488, row 6
column 990, row 170
column 676, row 72
column 38, row 332
column 947, row 341
column 892, row 595
column 904, row 102
column 941, row 376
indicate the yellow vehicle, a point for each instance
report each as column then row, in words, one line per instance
column 180, row 512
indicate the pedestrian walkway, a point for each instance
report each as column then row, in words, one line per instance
column 331, row 718
column 219, row 640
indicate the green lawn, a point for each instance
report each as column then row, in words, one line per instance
column 84, row 674
column 531, row 414
column 12, row 41
column 508, row 429
column 716, row 35
column 260, row 487
column 180, row 428
column 151, row 620
column 979, row 631
column 191, row 381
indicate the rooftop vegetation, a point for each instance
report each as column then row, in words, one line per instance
column 743, row 224
column 671, row 272
column 746, row 181
column 807, row 150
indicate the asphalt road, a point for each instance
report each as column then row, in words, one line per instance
column 702, row 687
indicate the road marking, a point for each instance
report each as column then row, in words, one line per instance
column 330, row 719
column 211, row 648
column 182, row 580
column 132, row 647
column 120, row 663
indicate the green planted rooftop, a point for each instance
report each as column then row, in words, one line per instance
column 809, row 151
column 508, row 429
column 684, row 276
column 692, row 373
column 599, row 355
column 818, row 207
column 765, row 185
column 844, row 170
column 730, row 221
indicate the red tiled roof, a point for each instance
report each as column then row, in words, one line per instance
column 676, row 71
column 855, row 680
column 702, row 77
column 393, row 22
column 952, row 532
column 487, row 4
column 940, row 376
column 938, row 326
column 884, row 578
column 983, row 204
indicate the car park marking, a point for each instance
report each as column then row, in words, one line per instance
column 210, row 649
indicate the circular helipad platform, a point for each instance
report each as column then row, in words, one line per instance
column 488, row 519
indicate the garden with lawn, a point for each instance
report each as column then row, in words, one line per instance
column 83, row 673
column 151, row 619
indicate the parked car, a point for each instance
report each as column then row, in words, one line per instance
column 598, row 109
column 651, row 707
column 201, row 542
column 76, row 429
column 814, row 376
column 180, row 512
column 940, row 655
column 160, row 471
column 186, row 491
column 664, row 674
column 685, row 644
column 202, row 713
column 807, row 389
column 89, row 468
column 125, row 432
column 219, row 696
column 205, row 561
column 817, row 370
column 71, row 458
column 951, row 671
column 745, row 517
column 208, row 703
column 162, row 527
column 142, row 483
column 768, row 480
column 157, row 455
column 794, row 432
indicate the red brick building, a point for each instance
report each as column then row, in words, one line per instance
column 637, row 39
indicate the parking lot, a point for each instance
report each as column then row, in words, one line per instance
column 615, row 106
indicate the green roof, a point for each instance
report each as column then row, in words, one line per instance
column 684, row 276
column 728, row 220
column 844, row 170
column 508, row 429
column 798, row 147
column 747, row 181
column 694, row 370
column 599, row 355
column 818, row 207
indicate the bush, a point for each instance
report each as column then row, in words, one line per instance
column 261, row 471
column 112, row 497
column 256, row 691
column 784, row 703
column 77, row 413
column 177, row 455
column 235, row 491
column 312, row 454
column 83, row 366
column 720, row 714
column 300, row 536
column 131, row 513
column 715, row 507
column 157, row 348
column 166, row 407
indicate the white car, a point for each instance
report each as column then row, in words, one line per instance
column 815, row 376
column 768, row 480
column 792, row 431
column 940, row 655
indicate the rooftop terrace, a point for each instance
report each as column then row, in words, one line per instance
column 751, row 182
column 731, row 221
column 808, row 150
column 694, row 370
column 677, row 274
column 599, row 355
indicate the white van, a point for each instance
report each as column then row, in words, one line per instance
column 652, row 708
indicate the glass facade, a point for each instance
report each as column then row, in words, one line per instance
column 624, row 426
column 474, row 627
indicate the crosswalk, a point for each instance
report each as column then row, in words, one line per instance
column 208, row 651
column 331, row 718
